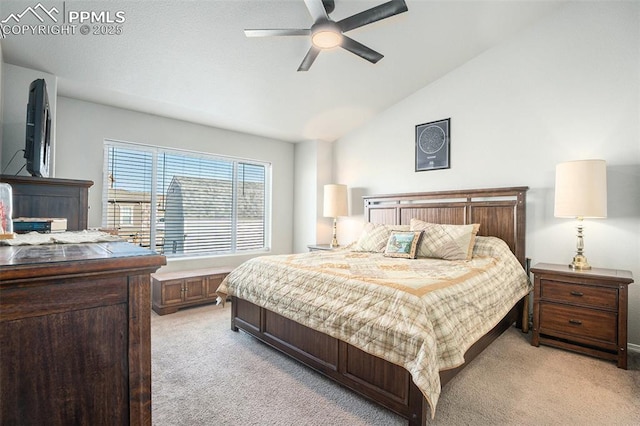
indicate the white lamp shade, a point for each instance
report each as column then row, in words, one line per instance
column 335, row 200
column 581, row 189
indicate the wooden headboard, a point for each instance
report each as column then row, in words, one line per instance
column 501, row 212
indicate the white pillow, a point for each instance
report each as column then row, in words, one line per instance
column 449, row 242
column 374, row 237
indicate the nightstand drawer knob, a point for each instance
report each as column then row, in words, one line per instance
column 575, row 322
column 577, row 293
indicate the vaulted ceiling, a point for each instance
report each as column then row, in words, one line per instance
column 191, row 60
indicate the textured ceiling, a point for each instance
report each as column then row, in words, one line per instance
column 191, row 60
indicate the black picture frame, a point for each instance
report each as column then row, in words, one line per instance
column 433, row 145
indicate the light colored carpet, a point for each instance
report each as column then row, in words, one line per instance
column 205, row 374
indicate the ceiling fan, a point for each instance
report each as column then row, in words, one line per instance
column 326, row 33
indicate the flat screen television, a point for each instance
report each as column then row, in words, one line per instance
column 38, row 139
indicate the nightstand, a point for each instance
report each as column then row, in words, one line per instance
column 582, row 311
column 316, row 247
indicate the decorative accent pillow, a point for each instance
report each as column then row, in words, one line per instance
column 449, row 242
column 403, row 244
column 374, row 237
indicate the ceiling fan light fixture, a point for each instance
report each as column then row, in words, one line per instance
column 326, row 38
column 325, row 33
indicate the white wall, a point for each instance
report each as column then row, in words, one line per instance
column 305, row 204
column 83, row 126
column 15, row 96
column 566, row 89
column 312, row 172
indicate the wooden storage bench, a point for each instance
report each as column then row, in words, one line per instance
column 181, row 289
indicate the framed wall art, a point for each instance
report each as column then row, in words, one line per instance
column 433, row 142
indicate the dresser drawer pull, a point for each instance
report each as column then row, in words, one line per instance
column 575, row 322
column 577, row 293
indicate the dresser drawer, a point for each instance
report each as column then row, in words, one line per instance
column 579, row 322
column 598, row 297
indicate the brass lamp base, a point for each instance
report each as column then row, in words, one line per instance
column 334, row 241
column 579, row 263
column 579, row 260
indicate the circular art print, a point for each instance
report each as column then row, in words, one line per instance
column 431, row 139
column 432, row 145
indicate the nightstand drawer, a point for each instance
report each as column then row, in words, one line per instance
column 583, row 310
column 579, row 322
column 598, row 297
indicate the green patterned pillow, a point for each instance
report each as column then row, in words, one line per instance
column 403, row 244
column 449, row 242
column 374, row 237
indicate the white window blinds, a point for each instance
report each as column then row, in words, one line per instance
column 184, row 203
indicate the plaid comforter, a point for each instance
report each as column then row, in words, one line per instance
column 422, row 314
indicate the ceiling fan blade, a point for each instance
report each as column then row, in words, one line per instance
column 360, row 49
column 374, row 14
column 329, row 5
column 316, row 10
column 311, row 56
column 281, row 32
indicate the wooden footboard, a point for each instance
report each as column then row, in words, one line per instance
column 385, row 383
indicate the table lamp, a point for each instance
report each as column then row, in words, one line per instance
column 581, row 192
column 335, row 204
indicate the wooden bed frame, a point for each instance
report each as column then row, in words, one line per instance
column 500, row 212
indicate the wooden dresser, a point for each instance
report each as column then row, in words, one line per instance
column 583, row 311
column 75, row 343
column 50, row 197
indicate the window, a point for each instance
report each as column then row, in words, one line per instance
column 126, row 215
column 184, row 203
